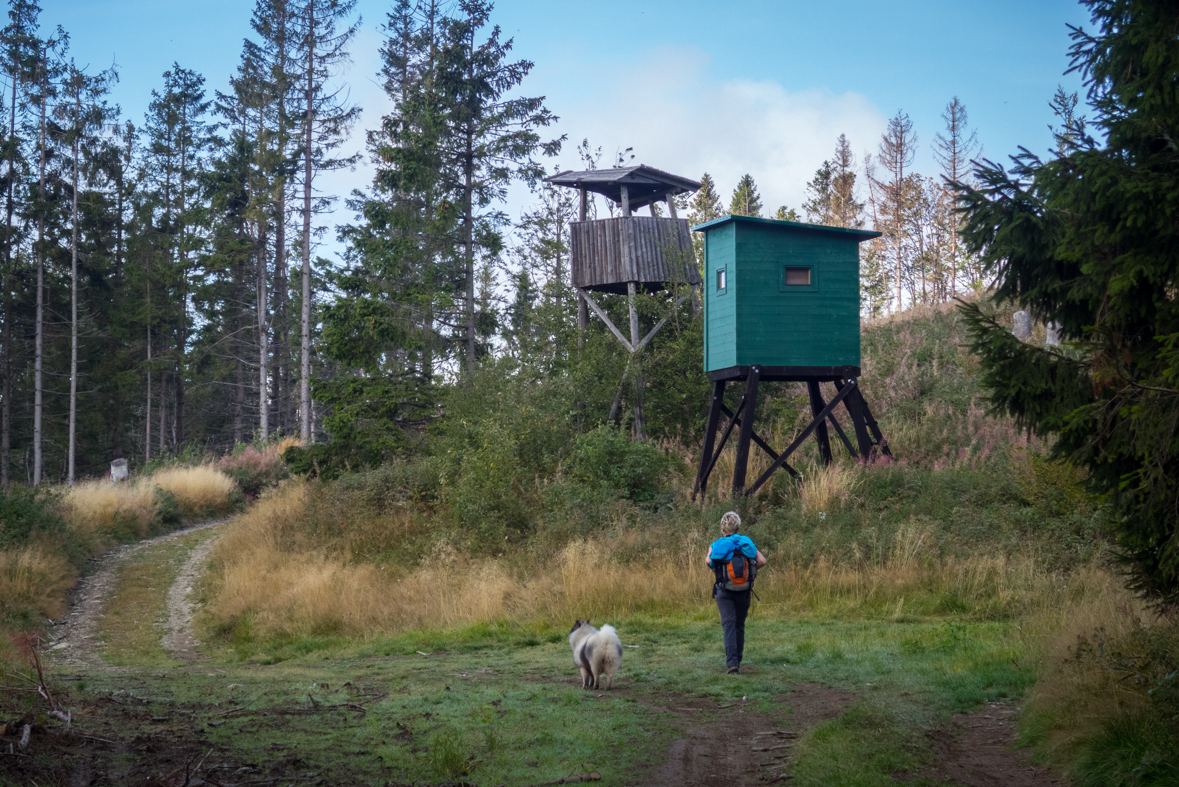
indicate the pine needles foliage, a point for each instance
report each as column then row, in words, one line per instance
column 1089, row 239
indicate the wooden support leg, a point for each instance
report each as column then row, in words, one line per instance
column 854, row 409
column 631, row 292
column 817, row 405
column 582, row 319
column 746, row 434
column 873, row 427
column 710, row 424
column 724, row 439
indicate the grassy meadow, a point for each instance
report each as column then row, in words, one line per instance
column 407, row 624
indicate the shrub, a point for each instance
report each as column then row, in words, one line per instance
column 488, row 492
column 26, row 514
column 606, row 458
column 253, row 470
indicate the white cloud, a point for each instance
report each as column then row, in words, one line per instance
column 669, row 109
column 680, row 119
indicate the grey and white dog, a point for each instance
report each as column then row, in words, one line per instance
column 598, row 654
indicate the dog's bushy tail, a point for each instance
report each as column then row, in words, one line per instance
column 609, row 655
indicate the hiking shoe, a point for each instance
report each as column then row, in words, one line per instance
column 734, row 670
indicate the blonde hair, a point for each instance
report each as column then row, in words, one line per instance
column 730, row 523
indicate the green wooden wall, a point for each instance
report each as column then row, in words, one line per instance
column 759, row 320
column 720, row 308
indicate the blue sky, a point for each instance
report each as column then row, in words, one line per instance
column 757, row 87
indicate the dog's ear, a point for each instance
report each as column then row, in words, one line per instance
column 587, row 621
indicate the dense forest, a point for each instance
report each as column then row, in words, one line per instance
column 162, row 290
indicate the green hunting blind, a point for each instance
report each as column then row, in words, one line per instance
column 782, row 304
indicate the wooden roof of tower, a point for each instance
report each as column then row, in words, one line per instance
column 644, row 184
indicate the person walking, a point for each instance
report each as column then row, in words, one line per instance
column 734, row 559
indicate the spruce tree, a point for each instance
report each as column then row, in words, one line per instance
column 323, row 34
column 954, row 150
column 20, row 47
column 745, row 201
column 179, row 137
column 1088, row 239
column 82, row 114
column 898, row 148
column 846, row 210
column 704, row 207
column 490, row 139
column 48, row 69
column 820, row 195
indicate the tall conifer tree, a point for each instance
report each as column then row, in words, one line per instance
column 489, row 140
column 323, row 34
column 954, row 150
column 745, row 201
column 20, row 46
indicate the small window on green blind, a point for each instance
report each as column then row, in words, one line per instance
column 798, row 277
column 720, row 279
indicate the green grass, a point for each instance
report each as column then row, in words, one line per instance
column 499, row 704
column 137, row 613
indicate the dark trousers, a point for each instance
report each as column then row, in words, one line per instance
column 734, row 607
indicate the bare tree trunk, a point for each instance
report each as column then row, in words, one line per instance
column 239, row 396
column 39, row 342
column 6, row 393
column 305, row 363
column 163, row 410
column 74, row 295
column 147, row 419
column 263, row 328
column 469, row 253
column 282, row 339
column 182, row 330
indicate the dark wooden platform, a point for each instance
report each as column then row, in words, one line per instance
column 788, row 374
column 869, row 442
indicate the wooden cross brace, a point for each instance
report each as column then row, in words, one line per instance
column 631, row 348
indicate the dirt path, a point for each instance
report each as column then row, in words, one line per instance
column 75, row 639
column 178, row 639
column 743, row 747
column 977, row 751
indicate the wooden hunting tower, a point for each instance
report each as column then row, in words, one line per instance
column 782, row 303
column 628, row 253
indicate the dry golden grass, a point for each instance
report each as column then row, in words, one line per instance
column 268, row 573
column 1093, row 671
column 824, row 488
column 200, row 490
column 265, row 571
column 100, row 507
column 34, row 577
column 96, row 507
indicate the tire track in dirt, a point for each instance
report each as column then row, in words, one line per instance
column 178, row 639
column 75, row 638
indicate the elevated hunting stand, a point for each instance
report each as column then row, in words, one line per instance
column 627, row 253
column 782, row 304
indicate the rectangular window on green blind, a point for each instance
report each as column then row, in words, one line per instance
column 720, row 280
column 797, row 277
